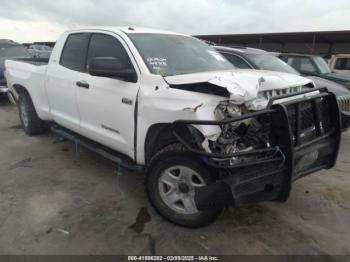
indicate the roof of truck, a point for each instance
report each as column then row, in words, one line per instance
column 127, row 30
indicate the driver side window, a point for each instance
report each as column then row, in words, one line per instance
column 107, row 46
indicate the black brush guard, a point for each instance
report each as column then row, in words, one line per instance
column 306, row 136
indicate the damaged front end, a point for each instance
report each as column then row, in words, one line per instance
column 258, row 154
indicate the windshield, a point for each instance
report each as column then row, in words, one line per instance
column 322, row 65
column 13, row 52
column 272, row 63
column 168, row 55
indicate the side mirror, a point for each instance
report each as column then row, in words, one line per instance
column 111, row 67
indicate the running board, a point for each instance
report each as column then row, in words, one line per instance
column 115, row 157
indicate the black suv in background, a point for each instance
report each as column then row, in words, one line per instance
column 252, row 58
column 314, row 65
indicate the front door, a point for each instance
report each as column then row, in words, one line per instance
column 107, row 105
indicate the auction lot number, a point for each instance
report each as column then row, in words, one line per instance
column 173, row 258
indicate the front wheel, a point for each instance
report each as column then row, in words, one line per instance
column 172, row 178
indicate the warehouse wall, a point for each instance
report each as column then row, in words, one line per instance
column 321, row 47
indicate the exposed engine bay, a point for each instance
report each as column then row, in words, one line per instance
column 245, row 135
column 236, row 131
column 248, row 134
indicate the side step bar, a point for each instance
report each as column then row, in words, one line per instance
column 115, row 157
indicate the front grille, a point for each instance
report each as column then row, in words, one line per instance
column 307, row 116
column 344, row 103
column 279, row 92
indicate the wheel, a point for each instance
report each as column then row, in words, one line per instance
column 171, row 179
column 30, row 121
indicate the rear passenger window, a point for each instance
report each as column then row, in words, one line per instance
column 108, row 46
column 74, row 52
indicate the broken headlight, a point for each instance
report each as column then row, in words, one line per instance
column 240, row 135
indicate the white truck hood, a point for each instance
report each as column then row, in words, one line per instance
column 243, row 85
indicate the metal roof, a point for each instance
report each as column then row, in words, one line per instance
column 290, row 37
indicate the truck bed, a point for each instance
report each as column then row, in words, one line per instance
column 33, row 61
column 29, row 73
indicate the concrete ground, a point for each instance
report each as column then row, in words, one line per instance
column 53, row 202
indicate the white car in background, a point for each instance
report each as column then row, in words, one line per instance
column 40, row 51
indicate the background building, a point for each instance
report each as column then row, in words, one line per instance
column 324, row 43
column 50, row 44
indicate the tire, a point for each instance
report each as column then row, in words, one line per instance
column 30, row 120
column 172, row 164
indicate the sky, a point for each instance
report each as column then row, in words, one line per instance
column 45, row 20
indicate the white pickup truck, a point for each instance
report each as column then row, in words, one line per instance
column 205, row 134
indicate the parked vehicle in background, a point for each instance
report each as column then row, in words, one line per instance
column 9, row 49
column 40, row 51
column 340, row 63
column 252, row 58
column 314, row 65
column 206, row 135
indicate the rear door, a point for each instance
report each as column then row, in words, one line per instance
column 62, row 78
column 107, row 107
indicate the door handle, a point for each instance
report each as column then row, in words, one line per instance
column 83, row 84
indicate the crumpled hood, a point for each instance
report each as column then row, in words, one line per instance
column 243, row 85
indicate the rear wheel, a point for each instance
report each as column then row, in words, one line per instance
column 30, row 121
column 172, row 177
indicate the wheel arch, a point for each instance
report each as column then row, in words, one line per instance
column 158, row 136
column 19, row 89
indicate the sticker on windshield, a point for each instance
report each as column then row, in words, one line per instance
column 158, row 65
column 157, row 62
column 217, row 56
